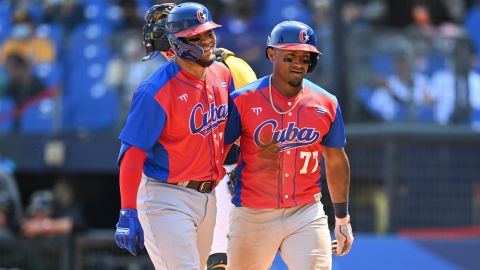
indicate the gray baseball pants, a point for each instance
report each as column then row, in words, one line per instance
column 300, row 233
column 178, row 224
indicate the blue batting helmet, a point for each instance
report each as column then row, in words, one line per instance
column 295, row 36
column 184, row 20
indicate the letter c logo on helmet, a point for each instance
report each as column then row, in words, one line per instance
column 303, row 36
column 186, row 20
column 202, row 17
column 294, row 36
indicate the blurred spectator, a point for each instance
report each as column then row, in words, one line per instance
column 5, row 216
column 69, row 13
column 10, row 204
column 53, row 213
column 22, row 84
column 24, row 42
column 460, row 84
column 433, row 17
column 131, row 19
column 403, row 95
column 361, row 14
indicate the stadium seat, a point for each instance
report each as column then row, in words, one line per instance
column 5, row 21
column 382, row 64
column 472, row 22
column 39, row 118
column 425, row 114
column 475, row 122
column 94, row 110
column 436, row 62
column 7, row 105
column 274, row 11
column 49, row 73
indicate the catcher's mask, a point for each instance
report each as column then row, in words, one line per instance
column 185, row 20
column 295, row 36
column 154, row 31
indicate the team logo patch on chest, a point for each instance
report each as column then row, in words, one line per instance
column 268, row 133
column 204, row 121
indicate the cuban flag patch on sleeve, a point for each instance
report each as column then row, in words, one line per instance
column 320, row 110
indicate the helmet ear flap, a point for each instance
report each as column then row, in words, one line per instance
column 313, row 62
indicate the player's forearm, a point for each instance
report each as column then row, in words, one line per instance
column 61, row 226
column 131, row 168
column 338, row 179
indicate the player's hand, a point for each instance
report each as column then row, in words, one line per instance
column 344, row 236
column 129, row 231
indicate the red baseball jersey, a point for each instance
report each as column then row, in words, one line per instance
column 179, row 120
column 279, row 163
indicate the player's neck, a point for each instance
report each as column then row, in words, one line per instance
column 191, row 67
column 284, row 88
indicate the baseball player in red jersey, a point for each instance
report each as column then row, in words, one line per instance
column 156, row 41
column 172, row 148
column 286, row 124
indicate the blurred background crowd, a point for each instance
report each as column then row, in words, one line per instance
column 72, row 65
column 406, row 73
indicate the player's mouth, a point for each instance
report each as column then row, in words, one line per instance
column 208, row 51
column 297, row 71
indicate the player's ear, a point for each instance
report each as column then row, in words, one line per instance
column 270, row 52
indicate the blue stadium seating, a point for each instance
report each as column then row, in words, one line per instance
column 364, row 95
column 89, row 62
column 95, row 109
column 425, row 114
column 35, row 10
column 7, row 105
column 49, row 73
column 436, row 62
column 472, row 22
column 476, row 118
column 5, row 21
column 382, row 64
column 39, row 118
column 275, row 11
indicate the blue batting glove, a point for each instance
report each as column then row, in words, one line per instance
column 129, row 231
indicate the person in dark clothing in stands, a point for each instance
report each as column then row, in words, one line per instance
column 22, row 84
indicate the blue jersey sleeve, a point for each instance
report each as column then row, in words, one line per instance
column 145, row 122
column 336, row 135
column 232, row 86
column 234, row 124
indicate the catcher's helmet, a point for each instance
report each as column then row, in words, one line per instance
column 295, row 36
column 154, row 30
column 184, row 20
